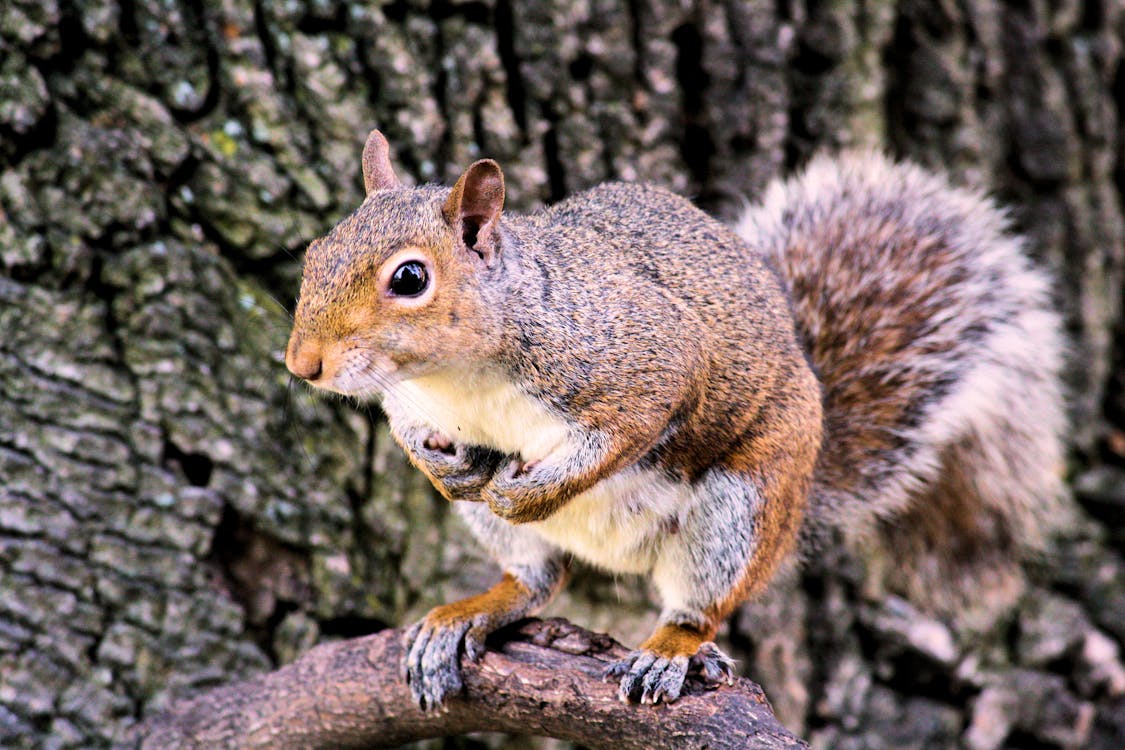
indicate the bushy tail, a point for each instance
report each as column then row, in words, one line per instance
column 940, row 355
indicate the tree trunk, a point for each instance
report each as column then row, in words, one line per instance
column 176, row 515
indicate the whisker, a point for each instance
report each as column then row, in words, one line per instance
column 288, row 252
column 385, row 383
column 289, row 418
column 288, row 315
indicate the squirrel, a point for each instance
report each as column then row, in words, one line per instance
column 620, row 377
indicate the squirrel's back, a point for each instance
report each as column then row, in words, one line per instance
column 940, row 356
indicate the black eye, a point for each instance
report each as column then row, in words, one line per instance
column 410, row 279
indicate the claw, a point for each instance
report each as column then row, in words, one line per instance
column 475, row 644
column 431, row 666
column 618, row 668
column 664, row 679
column 712, row 664
column 632, row 682
column 408, row 639
column 649, row 678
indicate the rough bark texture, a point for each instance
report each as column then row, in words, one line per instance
column 545, row 678
column 174, row 515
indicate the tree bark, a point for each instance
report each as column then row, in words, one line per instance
column 176, row 515
column 543, row 679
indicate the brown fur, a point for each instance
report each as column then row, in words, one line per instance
column 507, row 596
column 661, row 359
column 782, row 472
column 670, row 641
column 939, row 355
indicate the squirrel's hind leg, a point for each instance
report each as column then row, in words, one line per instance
column 726, row 547
column 533, row 572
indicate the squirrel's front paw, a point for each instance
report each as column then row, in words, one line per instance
column 647, row 676
column 517, row 493
column 432, row 660
column 462, row 470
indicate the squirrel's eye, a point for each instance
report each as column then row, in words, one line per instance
column 410, row 279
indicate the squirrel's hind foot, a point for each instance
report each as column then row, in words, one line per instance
column 432, row 665
column 433, row 647
column 647, row 676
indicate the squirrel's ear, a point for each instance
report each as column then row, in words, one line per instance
column 378, row 174
column 475, row 205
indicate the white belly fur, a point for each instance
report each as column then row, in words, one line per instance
column 481, row 408
column 616, row 524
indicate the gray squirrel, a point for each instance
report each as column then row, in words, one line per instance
column 868, row 357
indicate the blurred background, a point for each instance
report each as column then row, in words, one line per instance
column 175, row 513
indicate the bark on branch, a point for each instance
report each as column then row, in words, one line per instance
column 539, row 677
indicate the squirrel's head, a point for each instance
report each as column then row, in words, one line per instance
column 403, row 286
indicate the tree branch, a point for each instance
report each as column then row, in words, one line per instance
column 538, row 677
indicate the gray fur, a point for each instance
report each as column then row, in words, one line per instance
column 518, row 549
column 432, row 664
column 712, row 665
column 709, row 554
column 651, row 679
column 637, row 391
column 645, row 677
column 695, row 569
column 433, row 653
column 862, row 244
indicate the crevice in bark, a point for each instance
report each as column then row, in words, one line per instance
column 283, row 72
column 107, row 293
column 352, row 626
column 581, row 67
column 372, row 81
column 73, row 40
column 506, row 49
column 697, row 146
column 473, row 12
column 15, row 147
column 335, row 23
column 1117, row 102
column 909, row 672
column 264, row 633
column 203, row 31
column 266, row 270
column 268, row 577
column 370, row 473
column 636, row 36
column 1093, row 15
column 359, row 497
column 127, row 22
column 177, row 178
column 196, row 468
column 822, row 645
column 1027, row 741
column 396, row 11
column 897, row 116
column 1113, row 450
column 556, row 172
column 441, row 81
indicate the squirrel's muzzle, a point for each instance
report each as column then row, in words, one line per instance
column 304, row 359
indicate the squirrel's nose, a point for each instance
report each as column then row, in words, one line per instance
column 304, row 360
